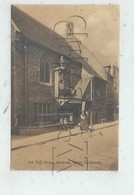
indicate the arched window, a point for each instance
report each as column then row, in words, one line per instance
column 44, row 70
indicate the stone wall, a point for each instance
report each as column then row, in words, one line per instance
column 27, row 89
column 17, row 84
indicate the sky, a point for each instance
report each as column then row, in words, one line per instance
column 102, row 25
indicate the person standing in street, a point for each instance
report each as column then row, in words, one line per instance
column 83, row 125
column 87, row 120
column 65, row 124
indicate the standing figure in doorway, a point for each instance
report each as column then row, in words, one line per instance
column 83, row 123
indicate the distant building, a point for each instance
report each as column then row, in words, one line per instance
column 48, row 83
column 116, row 91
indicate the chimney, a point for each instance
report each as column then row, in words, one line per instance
column 108, row 68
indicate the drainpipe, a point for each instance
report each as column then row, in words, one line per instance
column 91, row 99
column 56, row 81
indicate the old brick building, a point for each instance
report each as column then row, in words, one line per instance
column 48, row 82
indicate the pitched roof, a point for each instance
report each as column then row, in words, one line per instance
column 42, row 35
column 93, row 61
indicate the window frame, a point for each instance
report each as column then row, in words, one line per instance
column 41, row 111
column 43, row 64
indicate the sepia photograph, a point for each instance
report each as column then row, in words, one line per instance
column 65, row 87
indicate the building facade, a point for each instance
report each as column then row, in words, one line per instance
column 48, row 84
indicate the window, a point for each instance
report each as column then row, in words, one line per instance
column 44, row 73
column 98, row 90
column 42, row 112
column 44, row 70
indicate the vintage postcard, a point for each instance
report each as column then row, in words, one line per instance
column 64, row 87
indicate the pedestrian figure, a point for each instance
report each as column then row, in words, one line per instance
column 61, row 123
column 83, row 124
column 87, row 120
column 65, row 123
column 70, row 123
column 71, row 118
